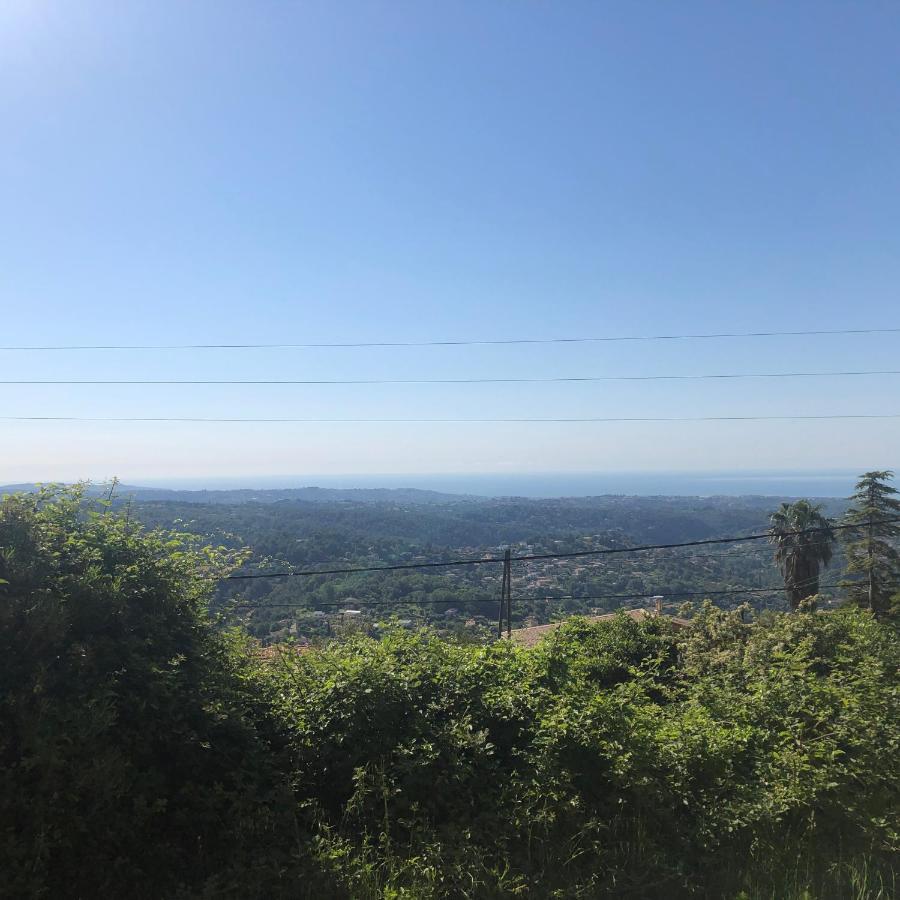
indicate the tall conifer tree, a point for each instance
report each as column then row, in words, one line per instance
column 873, row 562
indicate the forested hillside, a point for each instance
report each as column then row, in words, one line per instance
column 289, row 534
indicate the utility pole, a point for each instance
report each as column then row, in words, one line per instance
column 506, row 596
column 503, row 587
column 507, row 577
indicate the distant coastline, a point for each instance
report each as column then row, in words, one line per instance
column 831, row 483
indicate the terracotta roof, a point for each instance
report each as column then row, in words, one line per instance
column 273, row 652
column 528, row 637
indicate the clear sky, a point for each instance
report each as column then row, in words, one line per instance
column 203, row 172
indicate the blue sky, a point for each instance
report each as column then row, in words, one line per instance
column 210, row 172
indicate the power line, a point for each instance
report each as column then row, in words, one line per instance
column 458, row 343
column 663, row 593
column 450, row 421
column 727, row 556
column 545, row 598
column 537, row 556
column 726, row 540
column 385, row 381
column 349, row 603
column 428, row 600
column 354, row 569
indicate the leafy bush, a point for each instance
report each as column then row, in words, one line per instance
column 611, row 760
column 132, row 757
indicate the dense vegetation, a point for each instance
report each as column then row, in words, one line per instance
column 377, row 528
column 873, row 561
column 147, row 752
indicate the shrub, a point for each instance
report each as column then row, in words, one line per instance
column 132, row 755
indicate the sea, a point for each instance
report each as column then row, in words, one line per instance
column 555, row 484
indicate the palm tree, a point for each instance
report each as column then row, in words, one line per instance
column 802, row 537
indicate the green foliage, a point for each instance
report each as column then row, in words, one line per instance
column 803, row 545
column 612, row 759
column 308, row 535
column 127, row 732
column 146, row 752
column 870, row 546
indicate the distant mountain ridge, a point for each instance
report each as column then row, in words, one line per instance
column 409, row 496
column 405, row 496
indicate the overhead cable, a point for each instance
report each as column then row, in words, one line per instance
column 454, row 343
column 313, row 605
column 487, row 560
column 565, row 379
column 449, row 421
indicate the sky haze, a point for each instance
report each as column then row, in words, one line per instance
column 367, row 172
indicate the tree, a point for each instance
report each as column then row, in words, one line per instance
column 134, row 757
column 802, row 537
column 870, row 544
